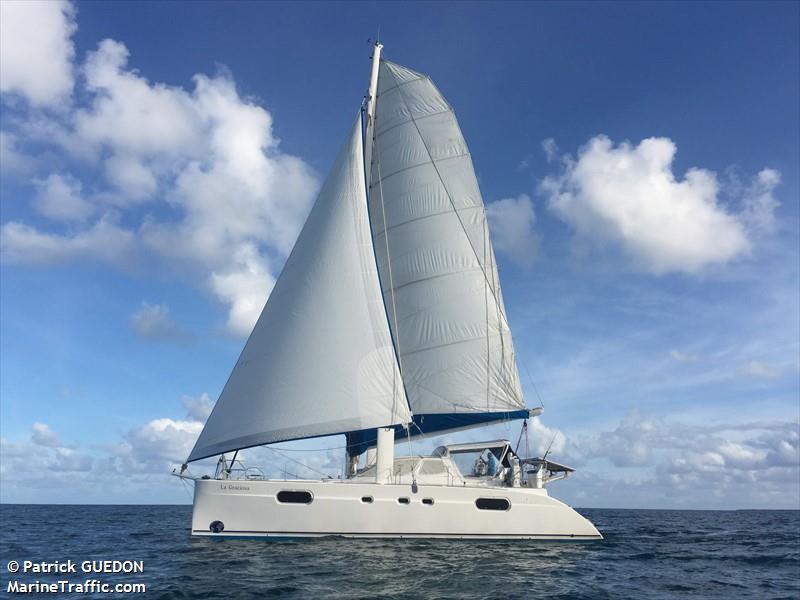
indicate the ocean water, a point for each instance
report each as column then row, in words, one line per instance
column 646, row 554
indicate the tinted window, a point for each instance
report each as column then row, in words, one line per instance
column 492, row 503
column 428, row 501
column 295, row 497
column 366, row 499
column 403, row 500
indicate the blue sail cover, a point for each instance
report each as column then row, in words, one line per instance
column 359, row 441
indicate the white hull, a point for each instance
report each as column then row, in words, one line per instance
column 250, row 508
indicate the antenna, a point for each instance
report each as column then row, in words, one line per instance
column 550, row 446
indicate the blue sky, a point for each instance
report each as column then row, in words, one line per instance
column 639, row 161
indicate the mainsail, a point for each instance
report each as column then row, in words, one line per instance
column 320, row 359
column 436, row 263
column 388, row 311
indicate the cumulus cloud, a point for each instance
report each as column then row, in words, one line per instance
column 759, row 201
column 639, row 441
column 232, row 201
column 161, row 443
column 152, row 321
column 197, row 408
column 628, row 197
column 36, row 50
column 104, row 241
column 131, row 177
column 59, row 198
column 42, row 435
column 511, row 221
column 13, row 162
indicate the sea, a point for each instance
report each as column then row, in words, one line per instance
column 645, row 554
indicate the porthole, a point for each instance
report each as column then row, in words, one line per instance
column 295, row 497
column 366, row 499
column 428, row 501
column 216, row 526
column 492, row 504
column 404, row 500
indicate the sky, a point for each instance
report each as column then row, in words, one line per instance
column 639, row 163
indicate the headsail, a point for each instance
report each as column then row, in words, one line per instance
column 320, row 359
column 436, row 262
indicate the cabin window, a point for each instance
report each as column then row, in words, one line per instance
column 366, row 499
column 404, row 500
column 216, row 526
column 492, row 504
column 295, row 497
column 428, row 501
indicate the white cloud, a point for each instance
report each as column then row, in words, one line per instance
column 131, row 177
column 161, row 443
column 245, row 287
column 13, row 162
column 152, row 321
column 103, row 242
column 627, row 196
column 197, row 408
column 550, row 149
column 755, row 368
column 236, row 202
column 683, row 357
column 42, row 435
column 512, row 221
column 639, row 441
column 132, row 116
column 759, row 201
column 36, row 50
column 59, row 197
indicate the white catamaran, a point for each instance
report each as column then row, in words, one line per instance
column 386, row 320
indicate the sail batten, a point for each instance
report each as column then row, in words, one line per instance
column 430, row 230
column 320, row 360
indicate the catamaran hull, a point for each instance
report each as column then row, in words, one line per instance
column 349, row 509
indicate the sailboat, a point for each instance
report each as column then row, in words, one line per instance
column 386, row 324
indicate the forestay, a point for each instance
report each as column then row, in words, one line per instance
column 320, row 359
column 437, row 266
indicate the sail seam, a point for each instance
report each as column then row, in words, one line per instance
column 429, row 278
column 420, row 118
column 422, row 164
column 435, row 346
column 397, row 86
column 423, row 217
column 452, row 203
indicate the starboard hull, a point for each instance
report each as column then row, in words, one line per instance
column 250, row 508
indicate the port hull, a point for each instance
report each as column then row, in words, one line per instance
column 250, row 508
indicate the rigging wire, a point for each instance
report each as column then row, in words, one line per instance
column 533, row 383
column 298, row 462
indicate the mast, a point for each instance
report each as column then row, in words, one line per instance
column 372, row 96
column 351, row 460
